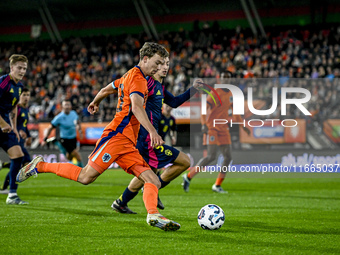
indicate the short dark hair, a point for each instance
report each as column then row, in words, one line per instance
column 16, row 58
column 149, row 49
column 25, row 90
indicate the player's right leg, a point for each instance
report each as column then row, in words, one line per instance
column 226, row 152
column 212, row 151
column 37, row 166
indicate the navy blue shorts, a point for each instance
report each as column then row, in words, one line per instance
column 157, row 157
column 69, row 144
column 8, row 140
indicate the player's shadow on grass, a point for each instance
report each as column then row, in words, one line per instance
column 308, row 197
column 263, row 227
column 69, row 210
column 236, row 228
column 75, row 196
column 276, row 243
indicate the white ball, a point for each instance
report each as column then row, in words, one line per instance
column 211, row 217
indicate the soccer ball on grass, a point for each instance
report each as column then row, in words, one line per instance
column 211, row 217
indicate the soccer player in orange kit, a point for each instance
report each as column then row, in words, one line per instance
column 216, row 137
column 118, row 141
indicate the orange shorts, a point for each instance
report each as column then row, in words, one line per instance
column 216, row 137
column 117, row 149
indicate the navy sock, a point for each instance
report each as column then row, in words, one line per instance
column 6, row 164
column 13, row 171
column 127, row 196
column 6, row 182
column 163, row 183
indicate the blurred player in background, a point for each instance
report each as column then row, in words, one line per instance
column 118, row 141
column 10, row 91
column 25, row 137
column 68, row 123
column 167, row 125
column 217, row 137
column 157, row 157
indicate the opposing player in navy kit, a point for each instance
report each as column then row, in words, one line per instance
column 25, row 137
column 162, row 155
column 10, row 91
column 167, row 125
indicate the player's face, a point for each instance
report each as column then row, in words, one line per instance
column 25, row 98
column 163, row 71
column 18, row 70
column 67, row 107
column 153, row 64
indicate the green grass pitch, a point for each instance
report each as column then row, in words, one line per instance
column 263, row 216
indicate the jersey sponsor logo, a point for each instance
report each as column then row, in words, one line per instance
column 12, row 90
column 23, row 115
column 168, row 152
column 106, row 157
column 158, row 93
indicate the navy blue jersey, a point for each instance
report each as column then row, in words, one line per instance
column 22, row 119
column 9, row 95
column 166, row 124
column 156, row 97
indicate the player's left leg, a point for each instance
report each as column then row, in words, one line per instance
column 16, row 155
column 26, row 159
column 4, row 186
column 226, row 152
column 132, row 162
column 150, row 194
column 181, row 163
column 4, row 164
column 160, row 157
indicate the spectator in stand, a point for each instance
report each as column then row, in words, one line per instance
column 80, row 65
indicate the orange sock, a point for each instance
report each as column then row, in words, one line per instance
column 150, row 196
column 65, row 170
column 220, row 179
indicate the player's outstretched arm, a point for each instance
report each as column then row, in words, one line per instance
column 48, row 132
column 103, row 93
column 175, row 101
column 139, row 112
